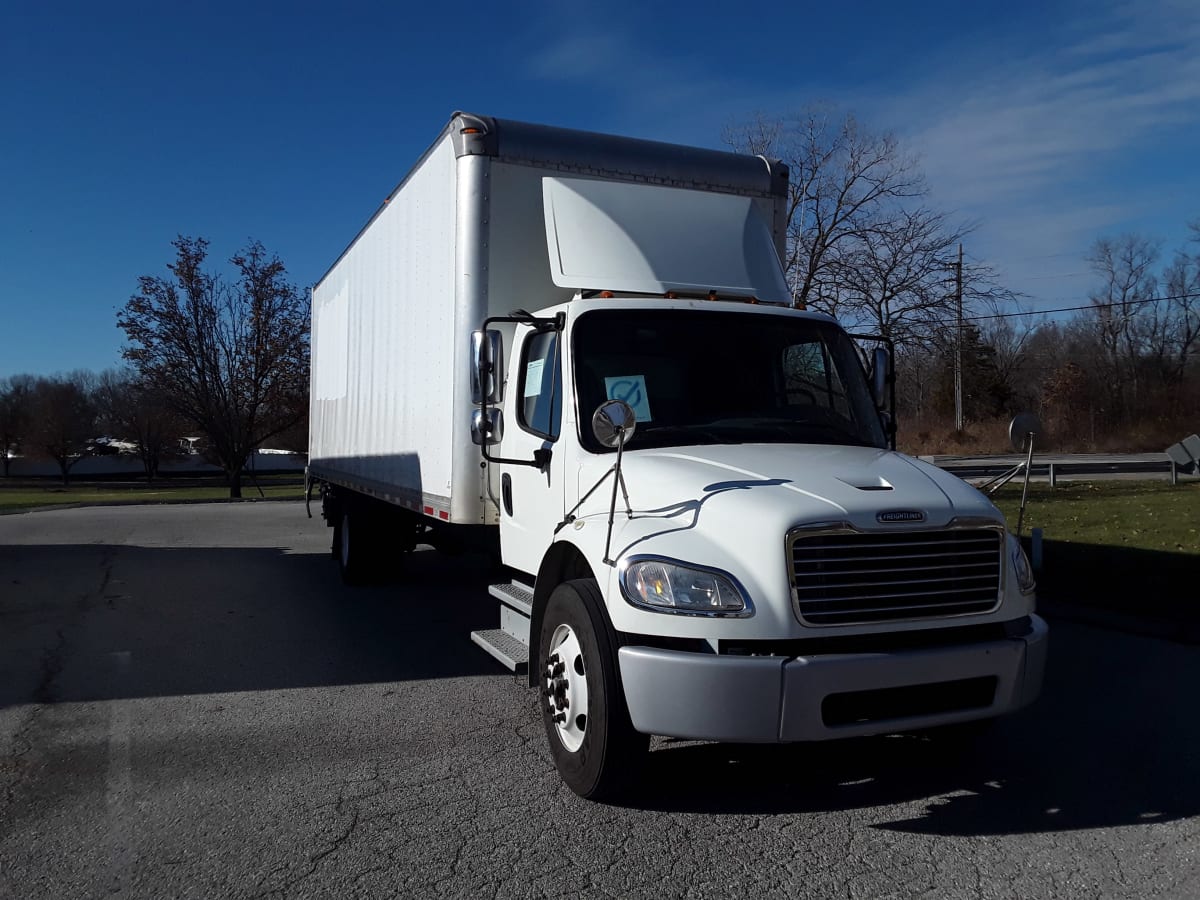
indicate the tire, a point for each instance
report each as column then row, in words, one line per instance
column 595, row 749
column 353, row 549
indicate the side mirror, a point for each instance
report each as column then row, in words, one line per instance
column 614, row 422
column 487, row 429
column 881, row 365
column 487, row 367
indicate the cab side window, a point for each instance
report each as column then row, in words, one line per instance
column 811, row 378
column 541, row 385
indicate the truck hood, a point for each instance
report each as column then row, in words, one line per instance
column 773, row 487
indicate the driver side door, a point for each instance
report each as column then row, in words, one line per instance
column 531, row 497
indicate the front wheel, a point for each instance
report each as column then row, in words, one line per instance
column 594, row 746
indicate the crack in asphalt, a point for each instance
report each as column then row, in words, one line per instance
column 43, row 694
column 314, row 861
column 53, row 659
column 52, row 662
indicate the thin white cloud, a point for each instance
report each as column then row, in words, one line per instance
column 579, row 56
column 655, row 92
column 1050, row 150
column 1041, row 122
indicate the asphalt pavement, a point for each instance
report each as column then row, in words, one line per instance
column 192, row 705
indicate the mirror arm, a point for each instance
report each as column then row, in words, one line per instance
column 570, row 516
column 612, row 509
column 539, row 461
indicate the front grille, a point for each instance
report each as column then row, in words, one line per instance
column 852, row 577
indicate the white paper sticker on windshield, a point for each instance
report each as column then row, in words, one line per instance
column 631, row 389
column 533, row 377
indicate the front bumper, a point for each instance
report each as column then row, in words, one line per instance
column 765, row 699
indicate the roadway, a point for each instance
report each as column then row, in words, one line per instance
column 191, row 705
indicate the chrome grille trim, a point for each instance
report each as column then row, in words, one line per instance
column 894, row 576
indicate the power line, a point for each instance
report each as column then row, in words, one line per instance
column 1042, row 312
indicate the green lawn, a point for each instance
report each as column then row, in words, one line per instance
column 1148, row 515
column 25, row 496
column 1127, row 547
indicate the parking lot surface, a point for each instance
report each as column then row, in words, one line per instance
column 192, row 705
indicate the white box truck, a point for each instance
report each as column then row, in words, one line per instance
column 582, row 346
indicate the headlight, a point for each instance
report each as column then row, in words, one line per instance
column 1021, row 566
column 668, row 586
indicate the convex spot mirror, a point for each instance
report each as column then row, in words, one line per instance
column 1024, row 427
column 487, row 366
column 612, row 420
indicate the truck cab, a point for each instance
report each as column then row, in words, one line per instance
column 761, row 566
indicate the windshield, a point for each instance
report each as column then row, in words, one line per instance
column 700, row 377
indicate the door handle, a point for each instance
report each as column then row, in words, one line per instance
column 506, row 493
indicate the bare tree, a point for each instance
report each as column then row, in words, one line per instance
column 841, row 177
column 900, row 282
column 1125, row 265
column 862, row 244
column 63, row 425
column 134, row 411
column 230, row 358
column 16, row 415
column 1009, row 331
column 1181, row 311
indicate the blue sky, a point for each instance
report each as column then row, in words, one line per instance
column 125, row 124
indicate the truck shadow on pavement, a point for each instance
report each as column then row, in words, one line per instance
column 1153, row 592
column 1112, row 742
column 214, row 620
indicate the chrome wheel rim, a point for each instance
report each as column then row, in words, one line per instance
column 564, row 686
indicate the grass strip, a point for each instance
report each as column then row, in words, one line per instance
column 1148, row 515
column 1127, row 547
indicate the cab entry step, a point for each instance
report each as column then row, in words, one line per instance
column 511, row 653
column 510, row 642
column 518, row 596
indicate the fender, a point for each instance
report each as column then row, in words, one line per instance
column 562, row 562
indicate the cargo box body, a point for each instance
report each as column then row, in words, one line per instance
column 463, row 237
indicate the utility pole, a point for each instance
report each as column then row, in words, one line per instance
column 958, row 344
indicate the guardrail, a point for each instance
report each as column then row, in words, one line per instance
column 1053, row 471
